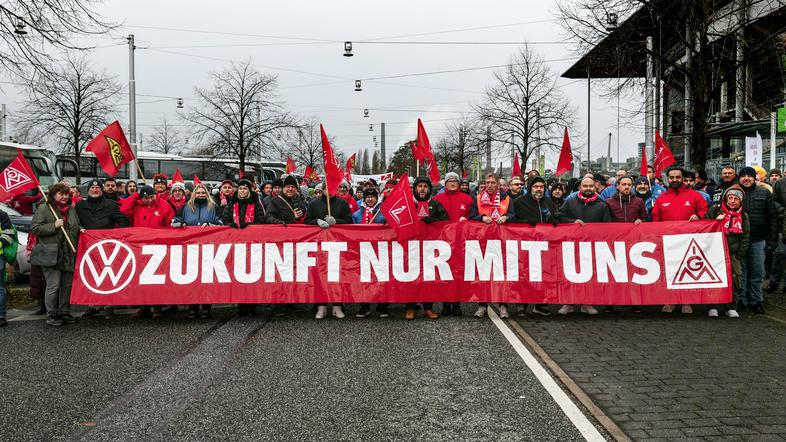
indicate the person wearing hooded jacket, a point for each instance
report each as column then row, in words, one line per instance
column 323, row 216
column 535, row 208
column 428, row 210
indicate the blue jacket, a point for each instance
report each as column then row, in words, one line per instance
column 357, row 217
column 200, row 215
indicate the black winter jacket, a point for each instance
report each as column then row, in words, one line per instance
column 279, row 212
column 100, row 213
column 528, row 210
column 242, row 205
column 594, row 212
column 762, row 214
column 339, row 209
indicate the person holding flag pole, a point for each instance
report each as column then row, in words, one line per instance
column 56, row 225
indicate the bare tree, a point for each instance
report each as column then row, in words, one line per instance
column 525, row 108
column 240, row 114
column 70, row 105
column 166, row 139
column 30, row 30
column 302, row 143
column 464, row 142
column 698, row 44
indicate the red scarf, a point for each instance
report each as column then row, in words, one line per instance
column 487, row 201
column 248, row 219
column 586, row 200
column 732, row 220
column 63, row 209
column 368, row 215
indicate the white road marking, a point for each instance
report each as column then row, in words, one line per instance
column 570, row 409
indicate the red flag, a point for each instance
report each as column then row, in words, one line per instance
column 463, row 173
column 643, row 169
column 197, row 180
column 663, row 155
column 311, row 174
column 565, row 156
column 290, row 165
column 17, row 178
column 348, row 176
column 333, row 173
column 177, row 177
column 241, row 174
column 433, row 170
column 399, row 210
column 111, row 149
column 516, row 165
column 351, row 162
column 422, row 150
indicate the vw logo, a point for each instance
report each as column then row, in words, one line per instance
column 107, row 267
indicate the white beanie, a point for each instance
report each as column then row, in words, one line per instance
column 451, row 176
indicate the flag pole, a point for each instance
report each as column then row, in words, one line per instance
column 327, row 192
column 139, row 169
column 46, row 200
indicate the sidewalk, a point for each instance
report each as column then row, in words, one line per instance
column 674, row 376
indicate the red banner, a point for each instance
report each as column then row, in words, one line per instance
column 653, row 263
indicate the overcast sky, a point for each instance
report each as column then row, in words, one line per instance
column 301, row 41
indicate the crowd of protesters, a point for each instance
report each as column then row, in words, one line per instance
column 750, row 202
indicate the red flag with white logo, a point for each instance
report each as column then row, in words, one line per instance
column 663, row 155
column 17, row 178
column 399, row 210
column 565, row 156
column 111, row 149
column 290, row 165
column 333, row 173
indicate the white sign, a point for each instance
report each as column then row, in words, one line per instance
column 753, row 150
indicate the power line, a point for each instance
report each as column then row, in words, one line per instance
column 447, row 71
column 465, row 43
column 236, row 34
column 477, row 28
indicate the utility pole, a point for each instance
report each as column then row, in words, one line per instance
column 382, row 145
column 132, row 172
column 609, row 162
column 488, row 147
column 589, row 125
column 3, row 133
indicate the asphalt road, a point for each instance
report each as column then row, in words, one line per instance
column 264, row 378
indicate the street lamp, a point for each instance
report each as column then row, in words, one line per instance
column 348, row 49
column 371, row 128
column 180, row 103
column 357, row 86
column 365, row 113
column 19, row 27
column 611, row 21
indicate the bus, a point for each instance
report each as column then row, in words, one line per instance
column 211, row 171
column 47, row 167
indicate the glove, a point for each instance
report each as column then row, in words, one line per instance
column 175, row 223
column 233, row 225
column 323, row 224
column 330, row 220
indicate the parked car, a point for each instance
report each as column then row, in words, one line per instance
column 23, row 225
